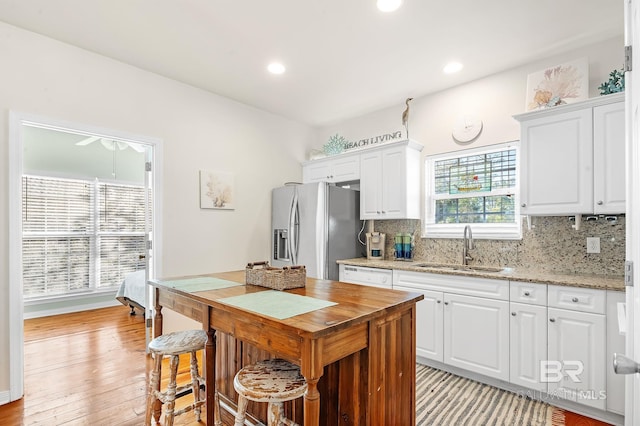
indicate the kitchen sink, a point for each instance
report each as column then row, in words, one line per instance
column 451, row 267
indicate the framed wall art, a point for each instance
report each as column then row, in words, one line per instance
column 217, row 190
column 558, row 85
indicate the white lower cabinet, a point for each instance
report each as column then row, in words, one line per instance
column 476, row 335
column 551, row 339
column 576, row 357
column 456, row 326
column 429, row 333
column 528, row 344
column 615, row 344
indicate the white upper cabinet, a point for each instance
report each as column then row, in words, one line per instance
column 340, row 168
column 390, row 181
column 572, row 159
column 609, row 158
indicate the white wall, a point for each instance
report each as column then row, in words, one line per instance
column 199, row 130
column 493, row 99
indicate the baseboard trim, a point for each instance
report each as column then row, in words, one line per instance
column 5, row 397
column 70, row 309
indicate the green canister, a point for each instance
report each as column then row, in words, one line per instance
column 398, row 246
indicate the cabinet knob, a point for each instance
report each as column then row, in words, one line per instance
column 446, row 303
column 552, row 320
column 438, row 301
column 523, row 205
column 575, row 300
column 526, row 293
column 383, row 212
column 378, row 211
column 513, row 314
column 600, row 202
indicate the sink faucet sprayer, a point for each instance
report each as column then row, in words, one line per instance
column 467, row 245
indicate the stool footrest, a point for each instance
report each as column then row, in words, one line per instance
column 164, row 396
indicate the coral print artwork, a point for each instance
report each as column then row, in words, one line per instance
column 216, row 190
column 558, row 85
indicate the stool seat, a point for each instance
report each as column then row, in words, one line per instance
column 178, row 342
column 274, row 381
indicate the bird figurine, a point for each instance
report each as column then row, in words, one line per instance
column 405, row 116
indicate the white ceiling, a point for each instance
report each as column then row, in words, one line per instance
column 344, row 58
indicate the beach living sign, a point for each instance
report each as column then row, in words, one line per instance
column 375, row 140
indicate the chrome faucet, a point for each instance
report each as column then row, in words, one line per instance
column 467, row 245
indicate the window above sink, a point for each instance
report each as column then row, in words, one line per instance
column 477, row 187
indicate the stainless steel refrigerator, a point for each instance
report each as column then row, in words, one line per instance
column 314, row 225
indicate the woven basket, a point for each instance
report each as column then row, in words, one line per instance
column 260, row 273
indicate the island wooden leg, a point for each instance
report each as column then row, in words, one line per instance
column 155, row 381
column 157, row 318
column 312, row 403
column 213, row 414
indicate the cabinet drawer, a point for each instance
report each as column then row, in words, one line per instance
column 577, row 299
column 534, row 294
column 456, row 284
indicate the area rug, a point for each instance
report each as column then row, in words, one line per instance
column 446, row 399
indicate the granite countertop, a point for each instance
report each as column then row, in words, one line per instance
column 601, row 282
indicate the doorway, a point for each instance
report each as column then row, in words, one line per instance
column 85, row 208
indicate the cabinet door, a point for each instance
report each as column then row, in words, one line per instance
column 577, row 350
column 476, row 335
column 341, row 169
column 345, row 169
column 609, row 159
column 393, row 195
column 316, row 172
column 557, row 164
column 370, row 181
column 528, row 344
column 615, row 344
column 429, row 324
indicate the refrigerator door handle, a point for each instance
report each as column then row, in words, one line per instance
column 292, row 241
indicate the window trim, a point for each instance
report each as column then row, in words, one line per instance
column 512, row 231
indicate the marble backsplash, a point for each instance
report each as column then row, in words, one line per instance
column 552, row 245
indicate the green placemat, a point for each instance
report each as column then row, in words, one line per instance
column 277, row 304
column 191, row 285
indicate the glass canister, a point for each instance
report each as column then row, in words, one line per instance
column 398, row 246
column 406, row 246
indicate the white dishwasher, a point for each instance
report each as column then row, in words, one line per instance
column 374, row 277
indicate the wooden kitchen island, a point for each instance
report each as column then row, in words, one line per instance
column 355, row 345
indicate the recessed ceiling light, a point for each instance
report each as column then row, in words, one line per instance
column 276, row 68
column 388, row 5
column 452, row 67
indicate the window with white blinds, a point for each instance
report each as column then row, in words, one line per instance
column 476, row 187
column 79, row 235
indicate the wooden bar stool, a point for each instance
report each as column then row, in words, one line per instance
column 174, row 345
column 274, row 381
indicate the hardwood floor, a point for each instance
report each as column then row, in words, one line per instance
column 86, row 368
